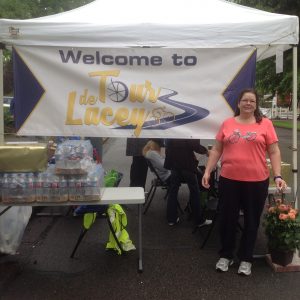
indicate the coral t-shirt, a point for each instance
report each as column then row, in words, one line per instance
column 244, row 149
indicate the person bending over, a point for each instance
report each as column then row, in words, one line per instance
column 181, row 160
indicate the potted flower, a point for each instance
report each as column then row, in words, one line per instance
column 282, row 227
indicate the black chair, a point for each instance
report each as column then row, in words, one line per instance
column 213, row 194
column 155, row 183
column 93, row 211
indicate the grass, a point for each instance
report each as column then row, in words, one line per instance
column 285, row 124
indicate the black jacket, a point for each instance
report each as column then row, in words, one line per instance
column 180, row 154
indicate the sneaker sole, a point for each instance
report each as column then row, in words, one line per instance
column 222, row 271
column 206, row 224
column 244, row 274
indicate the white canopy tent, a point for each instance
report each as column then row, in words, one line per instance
column 160, row 23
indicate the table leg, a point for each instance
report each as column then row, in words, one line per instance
column 140, row 267
column 5, row 210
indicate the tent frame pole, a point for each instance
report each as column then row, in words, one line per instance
column 294, row 148
column 1, row 100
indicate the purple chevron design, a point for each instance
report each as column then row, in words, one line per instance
column 245, row 78
column 27, row 90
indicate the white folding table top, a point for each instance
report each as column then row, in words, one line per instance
column 108, row 195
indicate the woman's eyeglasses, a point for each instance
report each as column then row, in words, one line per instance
column 248, row 101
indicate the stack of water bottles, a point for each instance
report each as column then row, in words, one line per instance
column 73, row 157
column 74, row 161
column 17, row 187
column 76, row 178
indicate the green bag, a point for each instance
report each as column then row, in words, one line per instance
column 112, row 178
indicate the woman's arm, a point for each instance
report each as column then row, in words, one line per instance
column 275, row 158
column 214, row 156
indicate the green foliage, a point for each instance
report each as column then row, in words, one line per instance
column 288, row 7
column 282, row 227
column 267, row 79
column 26, row 9
column 285, row 124
column 9, row 125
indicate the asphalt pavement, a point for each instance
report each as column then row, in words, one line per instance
column 174, row 265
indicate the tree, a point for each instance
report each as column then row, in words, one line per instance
column 267, row 79
column 288, row 7
column 27, row 9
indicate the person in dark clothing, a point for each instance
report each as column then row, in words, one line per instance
column 139, row 166
column 181, row 160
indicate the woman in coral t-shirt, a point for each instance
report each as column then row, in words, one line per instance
column 242, row 143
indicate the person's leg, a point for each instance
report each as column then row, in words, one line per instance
column 138, row 171
column 172, row 213
column 229, row 206
column 195, row 201
column 253, row 201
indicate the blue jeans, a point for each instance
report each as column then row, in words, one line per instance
column 190, row 178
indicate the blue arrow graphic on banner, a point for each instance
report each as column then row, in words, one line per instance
column 27, row 90
column 191, row 113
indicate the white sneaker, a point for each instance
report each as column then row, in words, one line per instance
column 245, row 268
column 174, row 223
column 223, row 264
column 205, row 223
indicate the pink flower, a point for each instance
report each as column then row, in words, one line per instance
column 283, row 217
column 283, row 207
column 271, row 209
column 292, row 216
column 293, row 211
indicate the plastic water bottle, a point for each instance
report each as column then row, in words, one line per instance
column 72, row 189
column 30, row 187
column 46, row 187
column 39, row 187
column 90, row 188
column 54, row 189
column 95, row 185
column 63, row 189
column 79, row 194
column 5, row 188
column 19, row 187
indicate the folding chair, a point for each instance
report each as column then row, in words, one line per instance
column 90, row 213
column 155, row 183
column 213, row 193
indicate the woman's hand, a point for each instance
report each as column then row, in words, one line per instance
column 280, row 184
column 205, row 180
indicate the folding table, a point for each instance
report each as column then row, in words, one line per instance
column 108, row 195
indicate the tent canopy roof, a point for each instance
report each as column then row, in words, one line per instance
column 156, row 23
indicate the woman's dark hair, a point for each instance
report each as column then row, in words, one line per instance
column 257, row 113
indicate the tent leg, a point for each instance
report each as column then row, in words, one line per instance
column 1, row 100
column 294, row 168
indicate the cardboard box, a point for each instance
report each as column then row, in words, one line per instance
column 23, row 157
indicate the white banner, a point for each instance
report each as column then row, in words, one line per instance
column 134, row 92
